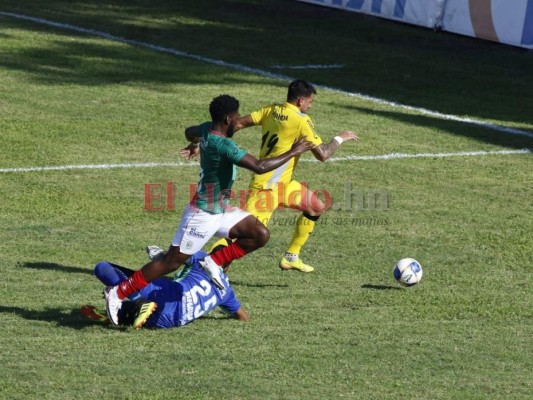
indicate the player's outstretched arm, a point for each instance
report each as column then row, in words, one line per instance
column 268, row 164
column 326, row 150
column 244, row 122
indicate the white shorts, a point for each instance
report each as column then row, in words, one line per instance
column 198, row 226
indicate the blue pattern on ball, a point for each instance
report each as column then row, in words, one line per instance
column 415, row 267
column 397, row 273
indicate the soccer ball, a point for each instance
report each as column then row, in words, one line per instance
column 408, row 272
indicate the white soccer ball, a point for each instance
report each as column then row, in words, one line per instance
column 407, row 271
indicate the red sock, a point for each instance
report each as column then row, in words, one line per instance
column 228, row 254
column 131, row 285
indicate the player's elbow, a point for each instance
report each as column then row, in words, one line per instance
column 190, row 133
column 259, row 168
column 242, row 315
column 238, row 126
column 322, row 158
column 320, row 154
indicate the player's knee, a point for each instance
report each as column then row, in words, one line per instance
column 262, row 236
column 101, row 268
column 314, row 206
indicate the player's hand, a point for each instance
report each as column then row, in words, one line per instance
column 190, row 152
column 301, row 145
column 347, row 136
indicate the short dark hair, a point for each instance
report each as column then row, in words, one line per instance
column 221, row 106
column 300, row 88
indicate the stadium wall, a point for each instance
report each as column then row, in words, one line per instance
column 504, row 21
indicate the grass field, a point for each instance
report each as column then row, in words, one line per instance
column 347, row 331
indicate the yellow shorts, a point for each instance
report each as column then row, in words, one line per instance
column 261, row 203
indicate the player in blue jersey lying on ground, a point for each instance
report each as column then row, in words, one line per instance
column 209, row 212
column 168, row 303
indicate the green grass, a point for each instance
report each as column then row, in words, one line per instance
column 347, row 331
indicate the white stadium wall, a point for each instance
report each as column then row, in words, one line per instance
column 503, row 21
column 419, row 12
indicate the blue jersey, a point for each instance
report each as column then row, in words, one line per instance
column 188, row 297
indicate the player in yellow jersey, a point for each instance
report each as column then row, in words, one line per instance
column 282, row 125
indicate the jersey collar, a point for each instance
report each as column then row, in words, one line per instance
column 292, row 107
column 216, row 133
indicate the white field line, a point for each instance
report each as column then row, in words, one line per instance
column 308, row 66
column 267, row 74
column 99, row 166
column 392, row 156
column 395, row 156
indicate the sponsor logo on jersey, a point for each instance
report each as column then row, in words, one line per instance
column 279, row 117
column 310, row 123
column 194, row 232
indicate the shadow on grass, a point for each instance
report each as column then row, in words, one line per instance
column 258, row 285
column 454, row 127
column 56, row 61
column 48, row 266
column 215, row 316
column 402, row 63
column 380, row 287
column 60, row 317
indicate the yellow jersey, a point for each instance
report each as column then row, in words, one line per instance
column 282, row 125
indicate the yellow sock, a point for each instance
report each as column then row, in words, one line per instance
column 220, row 242
column 304, row 227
